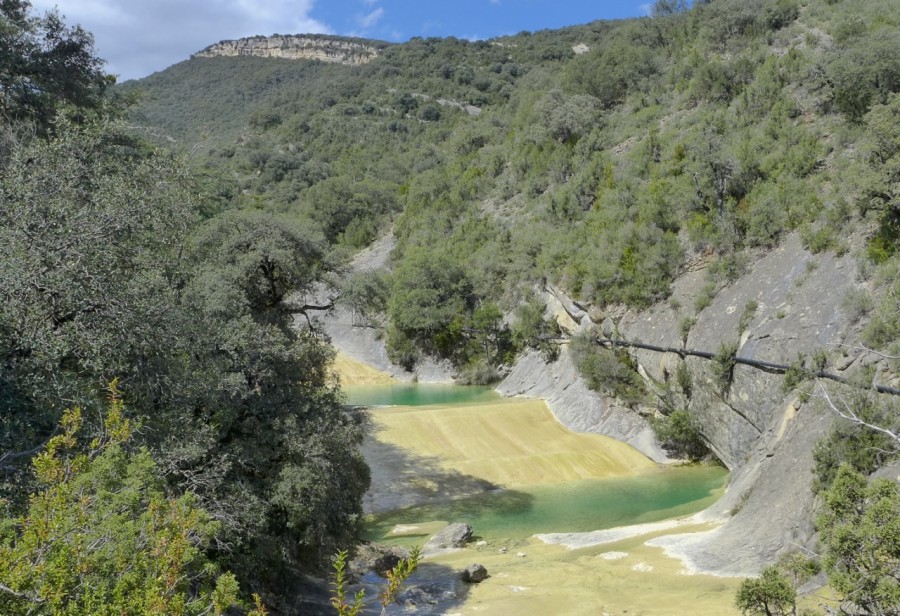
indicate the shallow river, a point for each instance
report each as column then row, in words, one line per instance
column 584, row 505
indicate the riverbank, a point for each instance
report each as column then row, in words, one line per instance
column 625, row 577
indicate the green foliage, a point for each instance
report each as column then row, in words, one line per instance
column 679, row 433
column 771, row 594
column 566, row 118
column 799, row 568
column 401, row 349
column 684, row 379
column 531, row 329
column 685, row 325
column 431, row 294
column 747, row 316
column 881, row 179
column 366, row 295
column 115, row 273
column 46, row 65
column 608, row 371
column 395, row 578
column 252, row 260
column 859, row 528
column 613, row 69
column 664, row 8
column 722, row 366
column 796, row 373
column 865, row 71
column 781, row 13
column 339, row 598
column 774, row 592
column 854, row 445
column 704, row 298
column 102, row 536
column 88, row 274
column 857, row 303
column 588, row 170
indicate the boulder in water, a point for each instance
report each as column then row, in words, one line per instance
column 473, row 574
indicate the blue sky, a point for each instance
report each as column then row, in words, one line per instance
column 399, row 20
column 138, row 37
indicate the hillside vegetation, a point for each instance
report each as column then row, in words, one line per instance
column 605, row 159
column 697, row 134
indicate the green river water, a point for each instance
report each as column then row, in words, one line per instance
column 585, row 505
column 416, row 394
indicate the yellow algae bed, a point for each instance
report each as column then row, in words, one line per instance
column 352, row 372
column 510, row 442
column 517, row 442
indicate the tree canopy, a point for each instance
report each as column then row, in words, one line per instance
column 45, row 64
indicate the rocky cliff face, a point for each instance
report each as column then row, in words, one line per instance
column 764, row 434
column 337, row 50
column 797, row 297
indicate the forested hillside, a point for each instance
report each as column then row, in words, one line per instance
column 605, row 158
column 154, row 234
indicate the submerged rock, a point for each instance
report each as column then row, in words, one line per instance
column 453, row 536
column 474, row 574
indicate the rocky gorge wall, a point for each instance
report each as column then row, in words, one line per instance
column 337, row 50
column 763, row 433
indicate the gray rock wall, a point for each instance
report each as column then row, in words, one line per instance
column 798, row 295
column 764, row 434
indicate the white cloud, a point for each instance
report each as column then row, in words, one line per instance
column 367, row 21
column 142, row 36
column 646, row 8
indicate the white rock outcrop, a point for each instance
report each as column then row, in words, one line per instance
column 338, row 50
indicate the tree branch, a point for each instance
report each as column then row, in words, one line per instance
column 21, row 595
column 852, row 417
column 868, row 350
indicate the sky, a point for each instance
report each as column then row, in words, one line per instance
column 139, row 37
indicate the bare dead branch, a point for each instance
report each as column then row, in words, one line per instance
column 850, row 415
column 861, row 347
